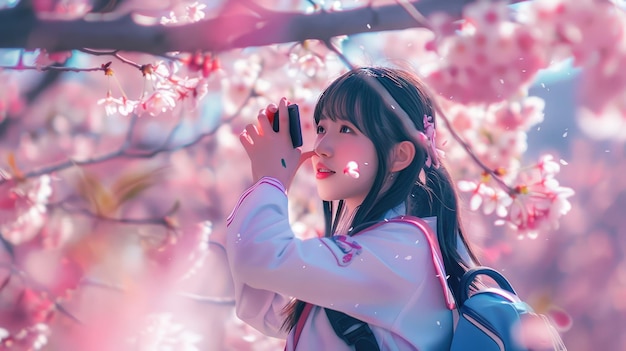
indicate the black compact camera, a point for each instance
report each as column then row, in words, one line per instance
column 294, row 125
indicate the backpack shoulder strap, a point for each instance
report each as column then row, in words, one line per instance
column 437, row 259
column 353, row 331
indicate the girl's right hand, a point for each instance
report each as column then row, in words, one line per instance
column 271, row 153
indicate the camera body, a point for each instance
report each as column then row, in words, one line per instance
column 294, row 125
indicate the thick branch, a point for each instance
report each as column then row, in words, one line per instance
column 217, row 34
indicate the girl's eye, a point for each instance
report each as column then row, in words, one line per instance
column 320, row 130
column 345, row 129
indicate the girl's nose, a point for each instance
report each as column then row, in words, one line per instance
column 322, row 147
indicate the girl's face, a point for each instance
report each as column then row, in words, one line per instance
column 345, row 162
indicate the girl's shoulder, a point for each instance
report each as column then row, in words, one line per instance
column 401, row 230
column 404, row 224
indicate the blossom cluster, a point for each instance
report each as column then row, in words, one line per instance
column 181, row 79
column 535, row 204
column 495, row 133
column 593, row 34
column 167, row 89
column 25, row 203
column 500, row 51
column 490, row 58
column 528, row 199
column 185, row 13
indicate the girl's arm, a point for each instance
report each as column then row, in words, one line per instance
column 380, row 267
column 261, row 309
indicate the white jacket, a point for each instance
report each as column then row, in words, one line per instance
column 385, row 276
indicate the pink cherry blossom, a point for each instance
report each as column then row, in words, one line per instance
column 183, row 13
column 492, row 199
column 190, row 90
column 485, row 14
column 547, row 166
column 476, row 198
column 170, row 19
column 309, row 64
column 127, row 106
column 122, row 105
column 158, row 102
column 29, row 208
column 237, row 87
column 431, row 144
column 110, row 104
column 195, row 12
column 538, row 204
column 157, row 71
column 520, row 114
column 496, row 200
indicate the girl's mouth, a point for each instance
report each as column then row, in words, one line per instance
column 323, row 173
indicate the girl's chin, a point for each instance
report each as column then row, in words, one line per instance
column 326, row 197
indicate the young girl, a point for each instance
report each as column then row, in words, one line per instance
column 376, row 170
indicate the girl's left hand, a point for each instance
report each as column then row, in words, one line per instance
column 271, row 153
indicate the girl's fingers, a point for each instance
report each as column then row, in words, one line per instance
column 245, row 140
column 305, row 156
column 265, row 117
column 243, row 137
column 283, row 118
column 261, row 116
column 251, row 132
column 283, row 114
column 263, row 122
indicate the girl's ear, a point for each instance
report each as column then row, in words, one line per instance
column 402, row 156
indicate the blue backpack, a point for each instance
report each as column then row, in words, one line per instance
column 491, row 318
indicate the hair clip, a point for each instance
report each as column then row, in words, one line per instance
column 432, row 158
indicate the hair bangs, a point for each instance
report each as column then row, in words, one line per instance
column 348, row 99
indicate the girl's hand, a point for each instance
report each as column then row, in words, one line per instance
column 271, row 153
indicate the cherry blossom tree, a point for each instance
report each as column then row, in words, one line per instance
column 120, row 158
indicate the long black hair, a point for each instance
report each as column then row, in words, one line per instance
column 362, row 97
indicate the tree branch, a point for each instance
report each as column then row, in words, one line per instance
column 52, row 68
column 125, row 149
column 218, row 34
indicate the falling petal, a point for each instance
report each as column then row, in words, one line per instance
column 352, row 169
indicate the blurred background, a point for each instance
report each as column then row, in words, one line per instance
column 117, row 170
